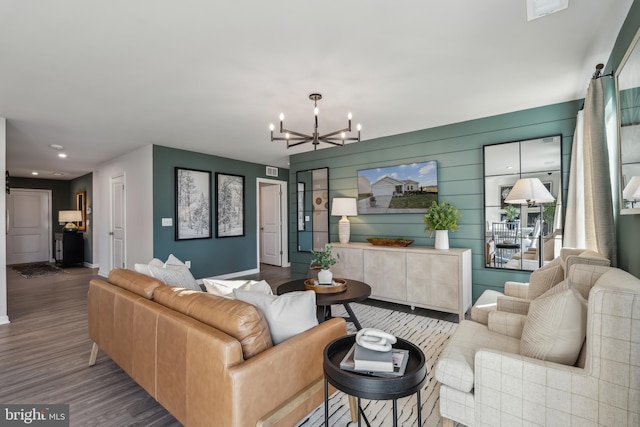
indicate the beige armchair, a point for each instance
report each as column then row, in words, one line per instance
column 517, row 296
column 487, row 381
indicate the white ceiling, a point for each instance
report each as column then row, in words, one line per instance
column 103, row 78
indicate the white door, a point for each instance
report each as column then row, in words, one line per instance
column 28, row 226
column 117, row 232
column 270, row 228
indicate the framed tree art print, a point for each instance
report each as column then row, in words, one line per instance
column 193, row 204
column 229, row 205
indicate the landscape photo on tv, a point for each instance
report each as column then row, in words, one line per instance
column 408, row 188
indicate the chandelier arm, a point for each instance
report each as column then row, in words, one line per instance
column 298, row 143
column 326, row 135
column 328, row 141
column 290, row 139
column 298, row 134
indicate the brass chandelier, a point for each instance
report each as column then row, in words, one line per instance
column 293, row 138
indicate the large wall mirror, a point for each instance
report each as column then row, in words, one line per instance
column 514, row 233
column 312, row 196
column 628, row 85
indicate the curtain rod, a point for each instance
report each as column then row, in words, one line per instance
column 597, row 74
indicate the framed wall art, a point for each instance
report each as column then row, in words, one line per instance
column 193, row 204
column 229, row 205
column 408, row 188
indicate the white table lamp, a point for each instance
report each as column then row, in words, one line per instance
column 70, row 217
column 344, row 206
column 530, row 192
column 632, row 190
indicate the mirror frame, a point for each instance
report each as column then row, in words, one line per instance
column 305, row 197
column 522, row 171
column 81, row 205
column 635, row 44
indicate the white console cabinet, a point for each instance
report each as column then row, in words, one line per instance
column 418, row 276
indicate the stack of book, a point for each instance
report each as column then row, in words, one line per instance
column 380, row 363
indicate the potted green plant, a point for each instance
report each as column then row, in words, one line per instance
column 511, row 213
column 324, row 259
column 440, row 219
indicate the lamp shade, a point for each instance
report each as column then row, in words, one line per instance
column 69, row 216
column 344, row 206
column 529, row 190
column 632, row 190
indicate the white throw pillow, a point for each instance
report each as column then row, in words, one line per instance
column 144, row 268
column 287, row 315
column 175, row 273
column 224, row 288
column 556, row 325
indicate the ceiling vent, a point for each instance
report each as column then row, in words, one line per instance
column 539, row 8
column 272, row 171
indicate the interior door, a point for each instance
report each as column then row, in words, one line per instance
column 117, row 232
column 270, row 225
column 28, row 226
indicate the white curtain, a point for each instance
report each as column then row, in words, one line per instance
column 589, row 222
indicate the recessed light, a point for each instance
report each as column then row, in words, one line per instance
column 58, row 174
column 56, row 146
column 62, row 155
column 34, row 173
column 509, row 167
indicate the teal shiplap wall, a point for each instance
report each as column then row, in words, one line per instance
column 458, row 150
column 209, row 257
column 628, row 226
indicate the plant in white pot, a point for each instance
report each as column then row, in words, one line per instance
column 324, row 259
column 440, row 219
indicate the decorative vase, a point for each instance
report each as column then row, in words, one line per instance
column 442, row 239
column 325, row 277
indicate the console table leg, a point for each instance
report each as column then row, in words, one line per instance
column 353, row 409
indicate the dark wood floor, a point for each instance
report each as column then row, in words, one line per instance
column 44, row 352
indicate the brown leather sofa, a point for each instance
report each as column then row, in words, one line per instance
column 208, row 360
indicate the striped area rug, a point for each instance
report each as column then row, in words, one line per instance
column 429, row 334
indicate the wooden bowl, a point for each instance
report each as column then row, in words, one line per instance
column 340, row 286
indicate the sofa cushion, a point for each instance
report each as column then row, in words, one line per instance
column 455, row 366
column 132, row 281
column 556, row 325
column 545, row 278
column 144, row 268
column 235, row 318
column 287, row 315
column 175, row 273
column 224, row 288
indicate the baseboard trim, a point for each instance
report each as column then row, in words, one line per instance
column 91, row 265
column 4, row 320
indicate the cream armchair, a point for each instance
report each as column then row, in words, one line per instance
column 485, row 381
column 517, row 296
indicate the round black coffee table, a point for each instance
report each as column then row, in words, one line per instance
column 356, row 291
column 372, row 387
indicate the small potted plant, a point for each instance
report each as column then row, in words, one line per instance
column 441, row 218
column 511, row 213
column 324, row 259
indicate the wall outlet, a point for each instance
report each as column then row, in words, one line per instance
column 188, row 264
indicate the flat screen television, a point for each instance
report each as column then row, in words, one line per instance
column 408, row 188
